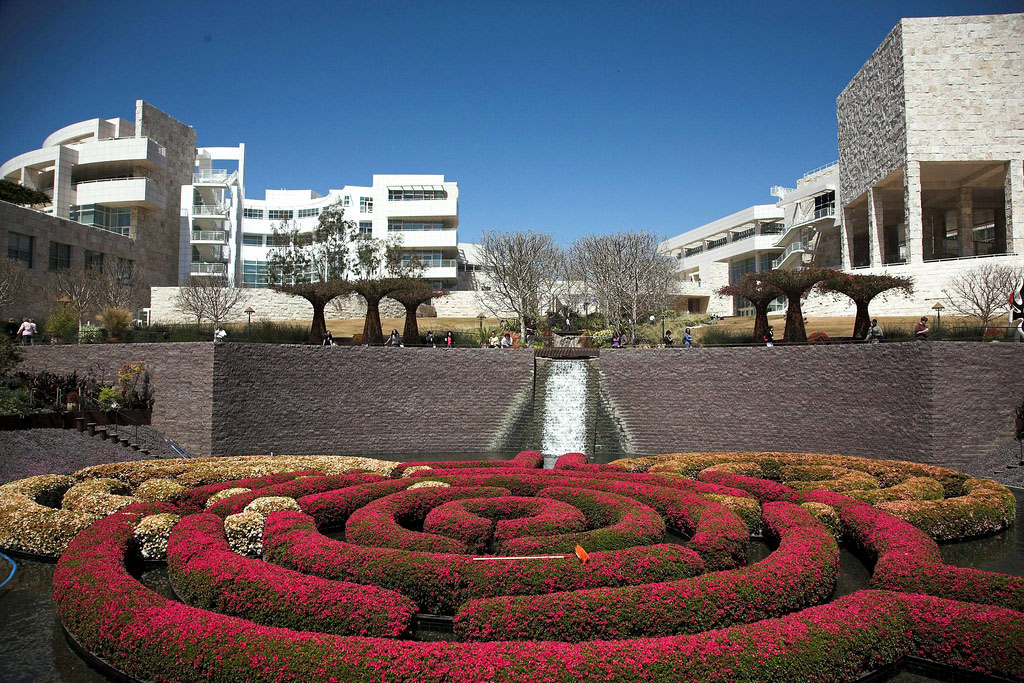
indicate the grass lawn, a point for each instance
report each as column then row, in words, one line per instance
column 347, row 328
column 834, row 326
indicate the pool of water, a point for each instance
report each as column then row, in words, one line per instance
column 33, row 647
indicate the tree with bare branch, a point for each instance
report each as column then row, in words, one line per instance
column 983, row 292
column 122, row 287
column 794, row 284
column 520, row 267
column 862, row 289
column 383, row 268
column 13, row 281
column 628, row 275
column 80, row 289
column 209, row 298
column 760, row 295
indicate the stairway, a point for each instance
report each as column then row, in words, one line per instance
column 104, row 432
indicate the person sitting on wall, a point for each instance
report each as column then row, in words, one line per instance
column 495, row 341
column 328, row 339
column 769, row 336
column 219, row 335
column 875, row 334
column 668, row 339
column 449, row 339
column 394, row 339
column 430, row 339
column 687, row 339
column 506, row 341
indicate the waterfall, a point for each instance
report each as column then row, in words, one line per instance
column 564, row 429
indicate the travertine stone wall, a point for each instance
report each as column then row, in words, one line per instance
column 40, row 295
column 943, row 403
column 159, row 231
column 963, row 83
column 308, row 399
column 872, row 120
column 182, row 381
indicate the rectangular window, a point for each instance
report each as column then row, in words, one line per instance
column 768, row 261
column 94, row 259
column 112, row 219
column 306, row 213
column 19, row 248
column 252, row 213
column 825, row 205
column 346, row 201
column 251, row 240
column 742, row 234
column 365, row 230
column 366, row 205
column 416, row 194
column 60, row 256
column 280, row 214
column 712, row 244
column 431, row 258
column 254, row 274
column 415, row 225
column 772, row 228
column 740, row 267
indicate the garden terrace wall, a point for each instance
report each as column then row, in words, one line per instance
column 181, row 376
column 944, row 403
column 308, row 399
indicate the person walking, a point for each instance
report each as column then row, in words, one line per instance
column 394, row 339
column 328, row 339
column 12, row 330
column 687, row 339
column 449, row 339
column 921, row 331
column 769, row 336
column 219, row 335
column 875, row 334
column 26, row 332
column 430, row 339
column 530, row 334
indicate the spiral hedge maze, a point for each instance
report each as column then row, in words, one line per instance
column 294, row 569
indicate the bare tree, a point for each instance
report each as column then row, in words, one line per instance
column 122, row 287
column 521, row 267
column 209, row 298
column 81, row 288
column 13, row 281
column 628, row 275
column 983, row 292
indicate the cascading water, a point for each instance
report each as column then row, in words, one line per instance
column 564, row 429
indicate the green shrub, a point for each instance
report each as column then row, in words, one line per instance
column 15, row 402
column 61, row 322
column 115, row 321
column 90, row 334
column 602, row 339
column 723, row 336
column 897, row 333
column 10, row 356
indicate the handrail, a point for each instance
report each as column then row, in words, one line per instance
column 209, row 210
column 822, row 168
column 209, row 269
column 107, row 180
column 209, row 235
column 795, row 246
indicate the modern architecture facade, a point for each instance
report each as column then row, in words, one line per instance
column 929, row 180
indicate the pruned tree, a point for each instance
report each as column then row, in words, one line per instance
column 13, row 281
column 520, row 267
column 794, row 284
column 314, row 265
column 80, row 289
column 862, row 289
column 382, row 268
column 209, row 298
column 412, row 298
column 760, row 295
column 627, row 274
column 122, row 287
column 983, row 292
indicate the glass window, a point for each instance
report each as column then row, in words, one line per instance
column 346, row 201
column 252, row 213
column 365, row 229
column 251, row 240
column 415, row 225
column 431, row 258
column 306, row 213
column 403, row 195
column 254, row 274
column 19, row 248
column 124, row 269
column 112, row 219
column 740, row 267
column 94, row 259
column 825, row 204
column 366, row 205
column 768, row 261
column 280, row 214
column 60, row 256
column 772, row 228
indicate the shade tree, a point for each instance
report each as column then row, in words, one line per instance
column 760, row 295
column 794, row 285
column 862, row 289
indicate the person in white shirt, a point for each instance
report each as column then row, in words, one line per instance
column 219, row 335
column 26, row 332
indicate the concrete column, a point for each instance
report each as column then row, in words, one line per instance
column 846, row 240
column 912, row 212
column 938, row 233
column 965, row 221
column 876, row 230
column 1015, row 206
column 1000, row 230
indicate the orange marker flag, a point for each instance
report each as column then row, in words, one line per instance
column 582, row 554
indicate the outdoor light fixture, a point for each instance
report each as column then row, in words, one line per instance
column 248, row 330
column 938, row 308
column 481, row 318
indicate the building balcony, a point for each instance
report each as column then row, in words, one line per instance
column 209, row 236
column 214, row 177
column 209, row 269
column 120, row 192
column 427, row 208
column 429, row 239
column 143, row 151
column 444, row 269
column 793, row 254
column 215, row 211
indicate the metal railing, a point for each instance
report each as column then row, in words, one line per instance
column 209, row 210
column 211, row 175
column 441, row 263
column 209, row 269
column 794, row 247
column 107, row 180
column 209, row 235
column 821, row 168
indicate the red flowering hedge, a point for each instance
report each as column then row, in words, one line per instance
column 523, row 460
column 194, row 499
column 297, row 487
column 484, row 524
column 206, row 573
column 801, row 572
column 440, row 582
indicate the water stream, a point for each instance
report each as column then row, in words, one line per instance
column 564, row 426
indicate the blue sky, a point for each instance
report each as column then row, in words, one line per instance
column 569, row 117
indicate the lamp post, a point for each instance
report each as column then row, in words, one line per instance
column 938, row 308
column 248, row 328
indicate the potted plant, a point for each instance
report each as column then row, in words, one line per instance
column 115, row 321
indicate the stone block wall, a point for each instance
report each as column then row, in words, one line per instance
column 314, row 400
column 871, row 113
column 181, row 375
column 43, row 228
column 942, row 403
